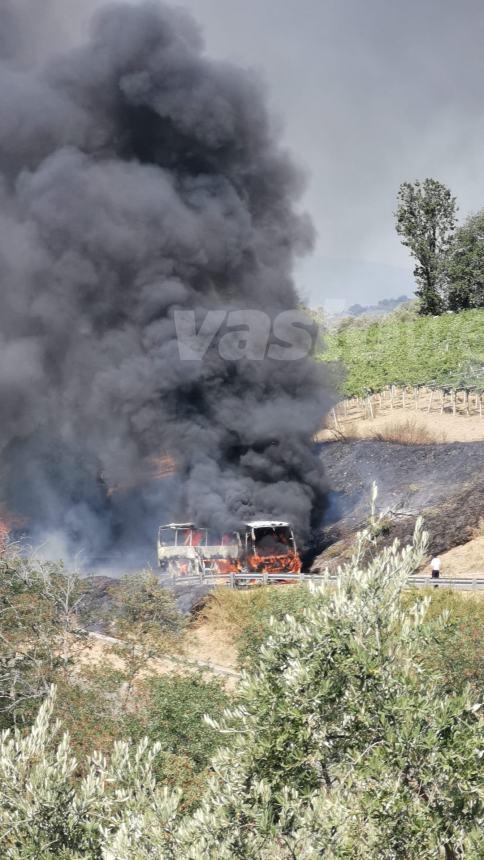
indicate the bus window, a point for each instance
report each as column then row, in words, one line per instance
column 273, row 541
column 183, row 537
column 167, row 537
column 199, row 537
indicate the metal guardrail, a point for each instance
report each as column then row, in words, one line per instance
column 461, row 583
column 236, row 580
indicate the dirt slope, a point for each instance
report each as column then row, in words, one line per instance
column 465, row 560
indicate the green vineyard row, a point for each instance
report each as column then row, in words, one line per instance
column 446, row 351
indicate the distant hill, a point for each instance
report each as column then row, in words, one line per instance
column 384, row 306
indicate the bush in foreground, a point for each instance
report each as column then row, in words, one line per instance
column 174, row 718
column 39, row 631
column 344, row 745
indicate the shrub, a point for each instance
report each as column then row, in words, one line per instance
column 89, row 706
column 44, row 814
column 272, row 606
column 455, row 648
column 142, row 604
column 39, row 632
column 408, row 432
column 177, row 706
column 174, row 719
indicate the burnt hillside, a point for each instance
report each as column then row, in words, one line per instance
column 443, row 482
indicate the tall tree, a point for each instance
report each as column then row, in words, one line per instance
column 464, row 266
column 425, row 221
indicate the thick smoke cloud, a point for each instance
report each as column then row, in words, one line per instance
column 137, row 178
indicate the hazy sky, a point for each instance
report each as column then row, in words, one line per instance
column 369, row 93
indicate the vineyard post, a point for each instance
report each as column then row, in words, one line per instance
column 430, row 399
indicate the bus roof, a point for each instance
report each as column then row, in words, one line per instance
column 253, row 524
column 178, row 526
column 260, row 524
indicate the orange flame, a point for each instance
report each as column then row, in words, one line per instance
column 163, row 466
column 228, row 565
column 287, row 563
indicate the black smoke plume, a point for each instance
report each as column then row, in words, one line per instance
column 138, row 177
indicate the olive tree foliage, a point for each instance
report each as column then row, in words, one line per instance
column 42, row 816
column 342, row 746
column 141, row 605
column 464, row 266
column 425, row 222
column 40, row 632
column 145, row 618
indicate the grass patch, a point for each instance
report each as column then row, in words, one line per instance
column 456, row 650
column 408, row 432
column 246, row 614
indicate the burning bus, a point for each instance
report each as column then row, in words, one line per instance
column 269, row 546
column 261, row 546
column 185, row 550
